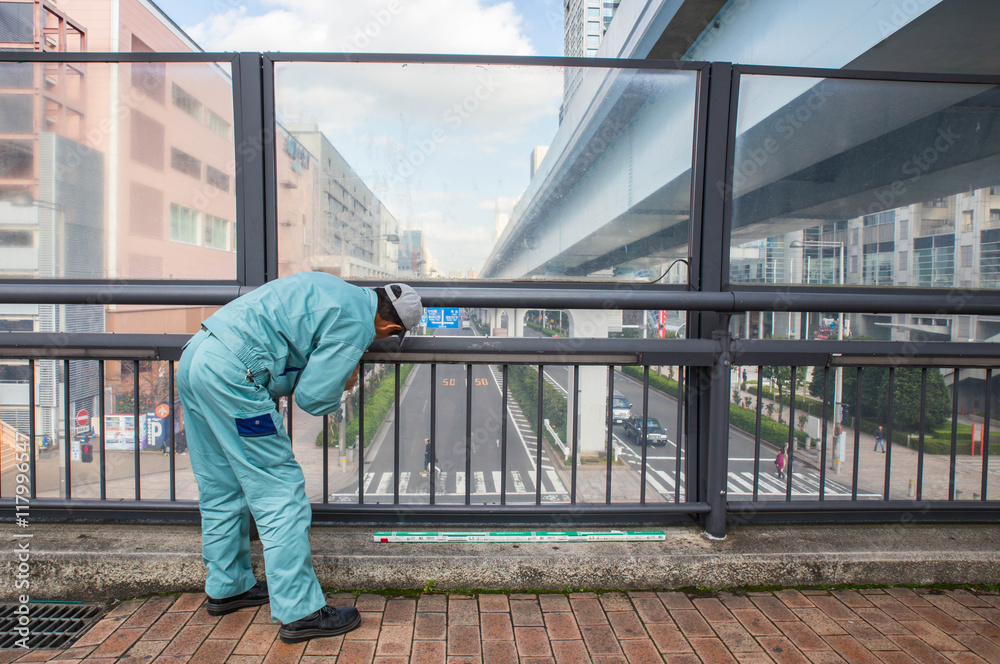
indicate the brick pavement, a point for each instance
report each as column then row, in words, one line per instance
column 869, row 626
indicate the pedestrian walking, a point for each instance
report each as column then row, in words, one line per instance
column 879, row 439
column 779, row 464
column 427, row 458
column 302, row 334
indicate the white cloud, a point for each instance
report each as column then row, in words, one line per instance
column 375, row 26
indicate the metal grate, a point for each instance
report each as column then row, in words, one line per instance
column 49, row 625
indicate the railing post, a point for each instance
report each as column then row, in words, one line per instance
column 718, row 440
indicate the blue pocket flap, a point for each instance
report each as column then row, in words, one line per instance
column 256, row 426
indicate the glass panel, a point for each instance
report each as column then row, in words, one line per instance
column 833, row 174
column 119, row 185
column 496, row 172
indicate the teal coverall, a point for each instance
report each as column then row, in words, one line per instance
column 302, row 334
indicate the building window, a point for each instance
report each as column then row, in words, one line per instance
column 185, row 101
column 934, row 261
column 218, row 124
column 185, row 163
column 966, row 255
column 594, row 27
column 967, row 220
column 17, row 22
column 216, row 178
column 989, row 258
column 904, row 261
column 216, row 232
column 20, row 239
column 878, row 265
column 149, row 77
column 937, row 203
column 17, row 113
column 593, row 12
column 854, row 264
column 593, row 40
column 183, row 224
column 146, row 140
column 145, row 211
column 904, row 229
column 995, row 190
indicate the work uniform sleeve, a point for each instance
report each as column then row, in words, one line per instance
column 326, row 373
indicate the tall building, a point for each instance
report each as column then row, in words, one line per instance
column 585, row 23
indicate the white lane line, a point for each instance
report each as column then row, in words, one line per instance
column 515, row 477
column 404, row 480
column 384, row 483
column 480, row 482
column 496, row 481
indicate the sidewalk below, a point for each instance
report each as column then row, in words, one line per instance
column 891, row 625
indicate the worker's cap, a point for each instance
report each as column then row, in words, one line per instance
column 408, row 306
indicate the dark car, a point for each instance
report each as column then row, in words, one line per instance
column 655, row 434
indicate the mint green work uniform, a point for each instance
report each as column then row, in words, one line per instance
column 302, row 334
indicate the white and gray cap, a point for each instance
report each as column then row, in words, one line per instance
column 408, row 306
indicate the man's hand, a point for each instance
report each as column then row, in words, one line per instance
column 353, row 380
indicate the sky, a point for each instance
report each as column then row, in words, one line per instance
column 445, row 148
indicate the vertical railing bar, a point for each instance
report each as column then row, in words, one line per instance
column 361, row 433
column 432, row 468
column 645, row 409
column 170, row 428
column 395, row 438
column 101, row 408
column 681, row 389
column 823, row 434
column 503, row 435
column 756, row 437
column 468, row 434
column 954, row 432
column 135, row 427
column 887, row 442
column 539, row 436
column 609, row 423
column 984, row 447
column 326, row 458
column 68, row 436
column 920, row 441
column 360, row 456
column 790, row 456
column 576, row 434
column 857, row 433
column 31, row 427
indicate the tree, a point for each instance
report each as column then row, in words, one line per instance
column 906, row 399
column 782, row 377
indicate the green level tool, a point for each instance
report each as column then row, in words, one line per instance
column 529, row 536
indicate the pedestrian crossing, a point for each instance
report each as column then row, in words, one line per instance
column 452, row 483
column 805, row 484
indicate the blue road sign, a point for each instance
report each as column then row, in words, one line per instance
column 442, row 317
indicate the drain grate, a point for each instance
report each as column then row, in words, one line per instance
column 49, row 625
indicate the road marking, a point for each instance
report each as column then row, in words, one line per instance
column 404, row 480
column 460, row 481
column 480, row 482
column 496, row 479
column 384, row 483
column 515, row 477
column 556, row 482
column 368, row 481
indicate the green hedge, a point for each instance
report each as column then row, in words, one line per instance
column 539, row 328
column 379, row 400
column 656, row 381
column 802, row 404
column 523, row 385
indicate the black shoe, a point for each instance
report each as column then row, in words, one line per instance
column 253, row 597
column 328, row 621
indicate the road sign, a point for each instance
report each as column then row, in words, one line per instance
column 82, row 418
column 442, row 317
column 162, row 411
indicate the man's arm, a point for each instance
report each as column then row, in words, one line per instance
column 325, row 377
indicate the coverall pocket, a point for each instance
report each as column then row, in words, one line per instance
column 263, row 444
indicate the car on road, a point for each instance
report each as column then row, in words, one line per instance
column 655, row 435
column 621, row 409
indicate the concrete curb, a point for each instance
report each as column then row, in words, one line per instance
column 105, row 562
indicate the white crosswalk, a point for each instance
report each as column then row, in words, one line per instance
column 452, row 483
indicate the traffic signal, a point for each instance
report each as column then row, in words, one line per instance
column 87, row 452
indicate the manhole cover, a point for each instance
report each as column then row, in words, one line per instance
column 49, row 625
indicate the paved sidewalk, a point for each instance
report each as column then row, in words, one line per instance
column 892, row 625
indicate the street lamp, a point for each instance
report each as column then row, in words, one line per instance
column 839, row 384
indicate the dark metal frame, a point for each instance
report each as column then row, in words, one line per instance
column 708, row 299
